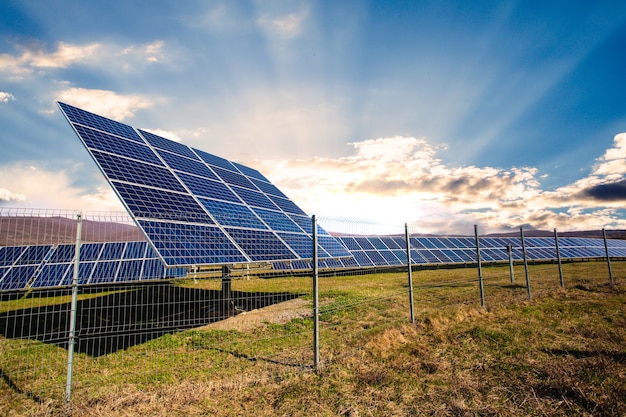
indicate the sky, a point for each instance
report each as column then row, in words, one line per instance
column 442, row 114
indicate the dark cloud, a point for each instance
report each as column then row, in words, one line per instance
column 615, row 191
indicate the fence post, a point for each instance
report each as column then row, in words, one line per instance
column 410, row 271
column 316, row 318
column 480, row 269
column 73, row 310
column 521, row 231
column 558, row 258
column 608, row 257
column 509, row 249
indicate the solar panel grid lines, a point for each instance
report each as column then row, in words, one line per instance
column 186, row 193
column 74, row 114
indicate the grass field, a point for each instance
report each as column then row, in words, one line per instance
column 561, row 353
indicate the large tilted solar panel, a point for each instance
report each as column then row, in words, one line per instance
column 389, row 251
column 194, row 207
column 43, row 266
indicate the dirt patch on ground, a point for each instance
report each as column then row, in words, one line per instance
column 277, row 314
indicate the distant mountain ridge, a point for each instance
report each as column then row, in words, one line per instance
column 15, row 231
column 56, row 230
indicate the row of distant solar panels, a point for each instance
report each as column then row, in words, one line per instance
column 41, row 266
column 376, row 251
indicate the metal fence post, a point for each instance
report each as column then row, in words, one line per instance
column 73, row 310
column 410, row 271
column 509, row 249
column 521, row 231
column 316, row 333
column 558, row 258
column 608, row 257
column 480, row 269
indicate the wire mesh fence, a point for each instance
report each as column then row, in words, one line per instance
column 142, row 325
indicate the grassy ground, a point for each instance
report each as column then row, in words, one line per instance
column 561, row 353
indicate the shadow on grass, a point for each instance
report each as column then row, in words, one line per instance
column 129, row 316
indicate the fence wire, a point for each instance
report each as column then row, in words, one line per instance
column 141, row 325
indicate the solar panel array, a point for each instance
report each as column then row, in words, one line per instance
column 44, row 266
column 194, row 207
column 386, row 251
column 39, row 266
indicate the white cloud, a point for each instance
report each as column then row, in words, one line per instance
column 151, row 52
column 41, row 188
column 285, row 26
column 7, row 195
column 6, row 97
column 400, row 179
column 34, row 59
column 613, row 162
column 105, row 103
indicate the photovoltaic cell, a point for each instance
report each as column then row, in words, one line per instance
column 192, row 244
column 191, row 166
column 260, row 245
column 94, row 139
column 250, row 172
column 279, row 221
column 86, row 118
column 150, row 203
column 234, row 178
column 168, row 145
column 230, row 214
column 254, row 198
column 123, row 169
column 215, row 160
column 207, row 188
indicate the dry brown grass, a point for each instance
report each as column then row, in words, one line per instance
column 561, row 354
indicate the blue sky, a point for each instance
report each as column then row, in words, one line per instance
column 443, row 113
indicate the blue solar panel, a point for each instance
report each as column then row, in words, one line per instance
column 260, row 245
column 279, row 221
column 250, row 172
column 300, row 243
column 190, row 166
column 268, row 188
column 230, row 214
column 123, row 169
column 10, row 254
column 172, row 190
column 234, row 178
column 163, row 205
column 168, row 145
column 94, row 139
column 17, row 277
column 206, row 188
column 52, row 275
column 192, row 244
column 112, row 251
column 254, row 198
column 86, row 118
column 34, row 255
column 215, row 160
